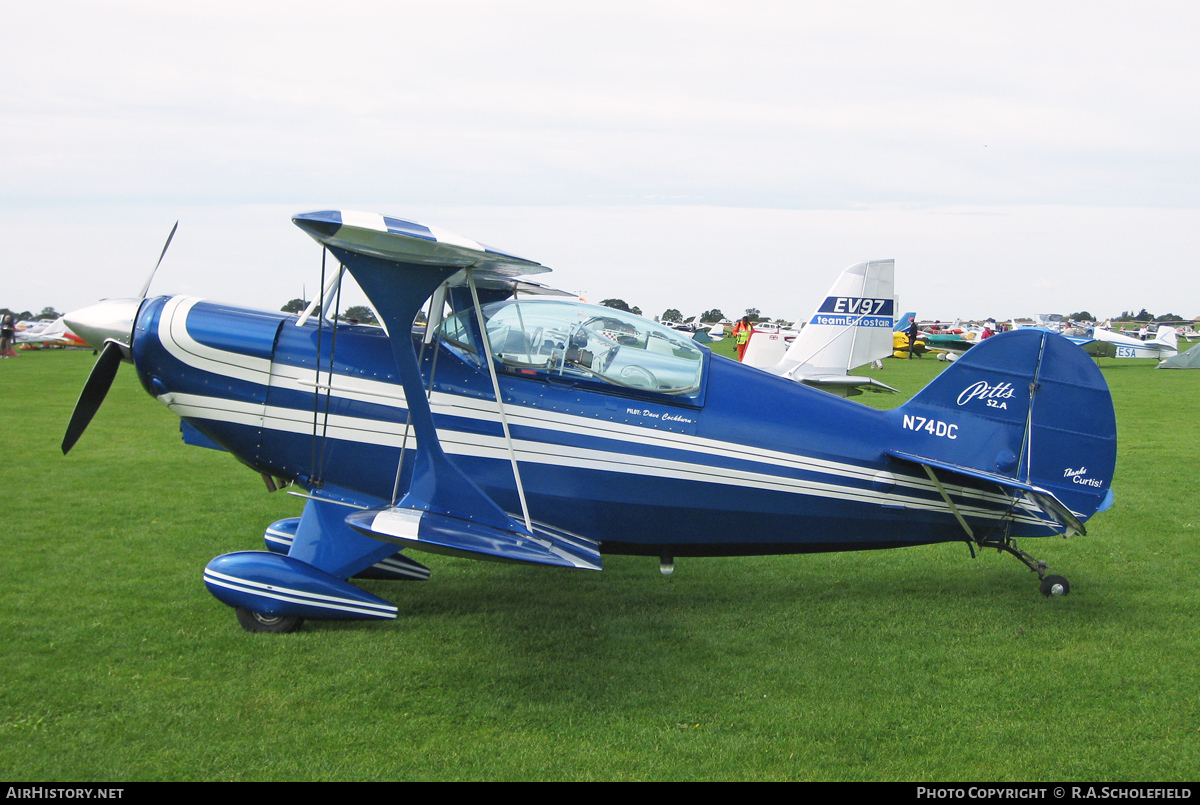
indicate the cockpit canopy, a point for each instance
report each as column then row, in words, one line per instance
column 570, row 339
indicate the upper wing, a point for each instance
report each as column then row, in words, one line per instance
column 400, row 240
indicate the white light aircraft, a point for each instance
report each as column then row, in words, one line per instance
column 1108, row 344
column 850, row 328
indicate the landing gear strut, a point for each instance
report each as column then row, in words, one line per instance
column 1051, row 585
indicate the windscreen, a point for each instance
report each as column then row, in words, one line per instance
column 587, row 341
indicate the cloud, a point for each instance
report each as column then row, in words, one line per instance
column 864, row 117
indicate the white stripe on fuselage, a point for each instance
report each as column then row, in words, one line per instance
column 175, row 338
column 359, row 389
column 390, row 434
column 173, row 333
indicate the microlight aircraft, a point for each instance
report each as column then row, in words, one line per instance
column 521, row 427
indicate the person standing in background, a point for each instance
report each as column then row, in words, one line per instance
column 741, row 334
column 8, row 331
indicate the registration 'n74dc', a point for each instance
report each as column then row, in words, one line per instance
column 524, row 426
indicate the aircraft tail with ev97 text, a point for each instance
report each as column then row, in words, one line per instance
column 850, row 328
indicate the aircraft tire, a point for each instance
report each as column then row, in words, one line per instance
column 255, row 622
column 1049, row 584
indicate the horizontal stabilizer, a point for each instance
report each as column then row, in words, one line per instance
column 848, row 382
column 438, row 533
column 1043, row 498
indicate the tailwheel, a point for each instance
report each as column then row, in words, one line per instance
column 1055, row 585
column 257, row 622
column 1051, row 584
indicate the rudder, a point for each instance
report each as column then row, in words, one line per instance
column 1027, row 405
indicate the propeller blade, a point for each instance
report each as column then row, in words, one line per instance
column 94, row 391
column 150, row 278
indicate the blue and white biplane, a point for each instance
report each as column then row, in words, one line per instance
column 523, row 427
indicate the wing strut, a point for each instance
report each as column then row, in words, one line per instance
column 433, row 302
column 322, row 300
column 487, row 351
column 334, row 289
column 946, row 497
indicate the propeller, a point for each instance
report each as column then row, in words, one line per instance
column 166, row 246
column 94, row 391
column 109, row 323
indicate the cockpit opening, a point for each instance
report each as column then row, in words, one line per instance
column 570, row 339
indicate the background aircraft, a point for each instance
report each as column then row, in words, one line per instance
column 1108, row 344
column 850, row 328
column 49, row 334
column 549, row 432
column 900, row 337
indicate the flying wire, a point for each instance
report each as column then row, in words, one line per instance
column 312, row 467
column 337, row 309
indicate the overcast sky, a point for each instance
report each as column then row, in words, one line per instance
column 1012, row 157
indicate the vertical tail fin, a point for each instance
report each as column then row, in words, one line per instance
column 1027, row 406
column 850, row 328
column 1167, row 336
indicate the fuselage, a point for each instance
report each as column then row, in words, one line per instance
column 748, row 463
column 1130, row 347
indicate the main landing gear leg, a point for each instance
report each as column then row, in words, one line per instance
column 1051, row 584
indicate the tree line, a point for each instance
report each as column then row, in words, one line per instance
column 1143, row 315
column 355, row 314
column 674, row 316
column 25, row 315
column 362, row 314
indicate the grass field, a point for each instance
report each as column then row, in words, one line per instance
column 917, row 664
